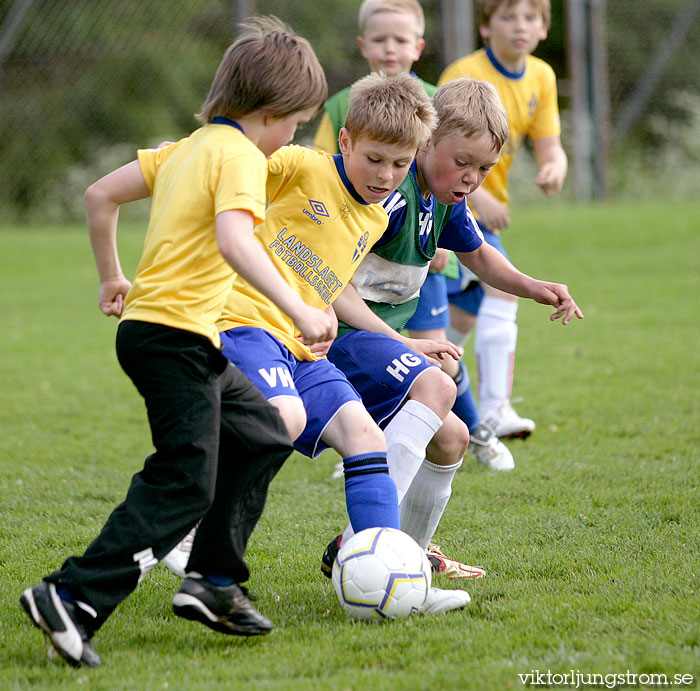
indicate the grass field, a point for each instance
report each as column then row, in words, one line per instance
column 592, row 544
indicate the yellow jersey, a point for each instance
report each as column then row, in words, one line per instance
column 317, row 230
column 182, row 280
column 530, row 100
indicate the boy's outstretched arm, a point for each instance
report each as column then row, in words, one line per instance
column 493, row 268
column 241, row 249
column 102, row 201
column 353, row 310
column 553, row 164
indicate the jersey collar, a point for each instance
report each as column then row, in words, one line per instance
column 497, row 65
column 221, row 120
column 338, row 160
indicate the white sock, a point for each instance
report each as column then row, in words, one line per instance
column 459, row 338
column 426, row 499
column 494, row 345
column 407, row 437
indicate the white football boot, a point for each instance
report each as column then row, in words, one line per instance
column 487, row 448
column 439, row 601
column 507, row 423
column 176, row 559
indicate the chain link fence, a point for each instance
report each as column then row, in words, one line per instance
column 67, row 70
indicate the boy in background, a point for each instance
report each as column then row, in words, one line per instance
column 391, row 40
column 370, row 350
column 218, row 442
column 511, row 30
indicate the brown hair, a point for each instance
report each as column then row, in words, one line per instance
column 470, row 108
column 392, row 110
column 372, row 7
column 268, row 68
column 488, row 7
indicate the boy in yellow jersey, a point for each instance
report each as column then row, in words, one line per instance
column 511, row 30
column 218, row 442
column 391, row 40
column 323, row 218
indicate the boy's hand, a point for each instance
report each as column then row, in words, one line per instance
column 434, row 351
column 316, row 326
column 493, row 213
column 440, row 260
column 553, row 164
column 557, row 295
column 550, row 178
column 112, row 295
column 321, row 348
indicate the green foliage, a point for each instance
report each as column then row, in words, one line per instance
column 590, row 544
column 672, row 168
column 86, row 74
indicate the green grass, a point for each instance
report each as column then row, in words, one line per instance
column 592, row 544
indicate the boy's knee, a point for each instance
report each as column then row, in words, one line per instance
column 449, row 444
column 436, row 390
column 353, row 431
column 293, row 414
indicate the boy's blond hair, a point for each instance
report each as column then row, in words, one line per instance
column 470, row 108
column 391, row 110
column 372, row 7
column 488, row 7
column 268, row 68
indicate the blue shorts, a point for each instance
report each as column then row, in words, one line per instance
column 432, row 311
column 466, row 292
column 322, row 387
column 380, row 368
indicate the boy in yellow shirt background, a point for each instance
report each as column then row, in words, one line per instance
column 511, row 30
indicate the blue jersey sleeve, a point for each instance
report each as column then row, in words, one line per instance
column 461, row 232
column 395, row 207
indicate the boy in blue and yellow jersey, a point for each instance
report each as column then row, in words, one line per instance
column 511, row 30
column 391, row 40
column 218, row 442
column 426, row 444
column 324, row 216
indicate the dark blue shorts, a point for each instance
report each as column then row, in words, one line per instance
column 322, row 387
column 432, row 311
column 380, row 368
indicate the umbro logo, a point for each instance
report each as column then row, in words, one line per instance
column 319, row 209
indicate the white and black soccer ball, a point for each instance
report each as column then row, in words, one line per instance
column 381, row 573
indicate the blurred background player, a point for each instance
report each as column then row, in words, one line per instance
column 391, row 40
column 511, row 30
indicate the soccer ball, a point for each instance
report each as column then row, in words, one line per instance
column 381, row 573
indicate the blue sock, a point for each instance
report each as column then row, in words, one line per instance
column 465, row 407
column 218, row 579
column 65, row 594
column 370, row 494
